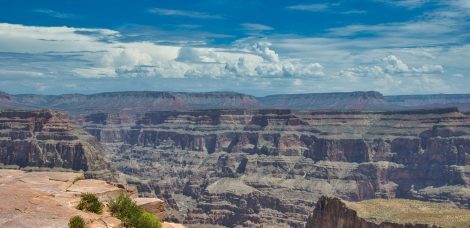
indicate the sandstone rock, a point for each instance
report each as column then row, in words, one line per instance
column 153, row 205
column 172, row 225
column 100, row 188
column 44, row 199
column 391, row 213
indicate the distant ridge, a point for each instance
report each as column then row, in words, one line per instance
column 144, row 101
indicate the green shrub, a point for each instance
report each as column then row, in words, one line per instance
column 125, row 209
column 148, row 220
column 89, row 202
column 77, row 222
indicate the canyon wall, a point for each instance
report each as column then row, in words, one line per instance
column 269, row 167
column 47, row 139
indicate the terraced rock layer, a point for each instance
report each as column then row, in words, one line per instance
column 47, row 139
column 269, row 167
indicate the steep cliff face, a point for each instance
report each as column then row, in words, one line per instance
column 47, row 139
column 335, row 213
column 236, row 167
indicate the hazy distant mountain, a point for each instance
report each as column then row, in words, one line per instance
column 138, row 102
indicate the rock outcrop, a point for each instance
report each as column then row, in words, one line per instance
column 48, row 199
column 153, row 205
column 269, row 167
column 381, row 213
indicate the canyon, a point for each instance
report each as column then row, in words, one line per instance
column 269, row 167
column 235, row 162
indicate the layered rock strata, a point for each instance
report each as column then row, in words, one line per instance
column 47, row 139
column 269, row 167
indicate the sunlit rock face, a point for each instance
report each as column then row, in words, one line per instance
column 269, row 167
column 393, row 213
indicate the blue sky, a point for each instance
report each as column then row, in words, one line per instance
column 255, row 47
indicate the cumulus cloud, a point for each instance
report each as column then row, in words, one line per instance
column 98, row 53
column 391, row 66
column 262, row 49
column 395, row 65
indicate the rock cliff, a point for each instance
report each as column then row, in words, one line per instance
column 269, row 167
column 389, row 213
column 47, row 139
column 49, row 199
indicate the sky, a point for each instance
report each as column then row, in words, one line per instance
column 257, row 47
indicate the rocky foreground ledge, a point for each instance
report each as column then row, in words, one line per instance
column 386, row 213
column 48, row 199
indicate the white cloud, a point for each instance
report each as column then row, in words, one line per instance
column 392, row 66
column 395, row 65
column 410, row 4
column 184, row 13
column 114, row 58
column 53, row 13
column 262, row 49
column 256, row 27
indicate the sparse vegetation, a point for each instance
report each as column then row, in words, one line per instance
column 148, row 220
column 89, row 202
column 77, row 222
column 124, row 208
column 77, row 178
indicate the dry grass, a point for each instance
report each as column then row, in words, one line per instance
column 411, row 211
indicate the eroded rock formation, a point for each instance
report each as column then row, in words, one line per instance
column 48, row 139
column 269, row 167
column 397, row 213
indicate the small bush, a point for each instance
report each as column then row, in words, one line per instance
column 77, row 222
column 125, row 209
column 148, row 220
column 89, row 202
